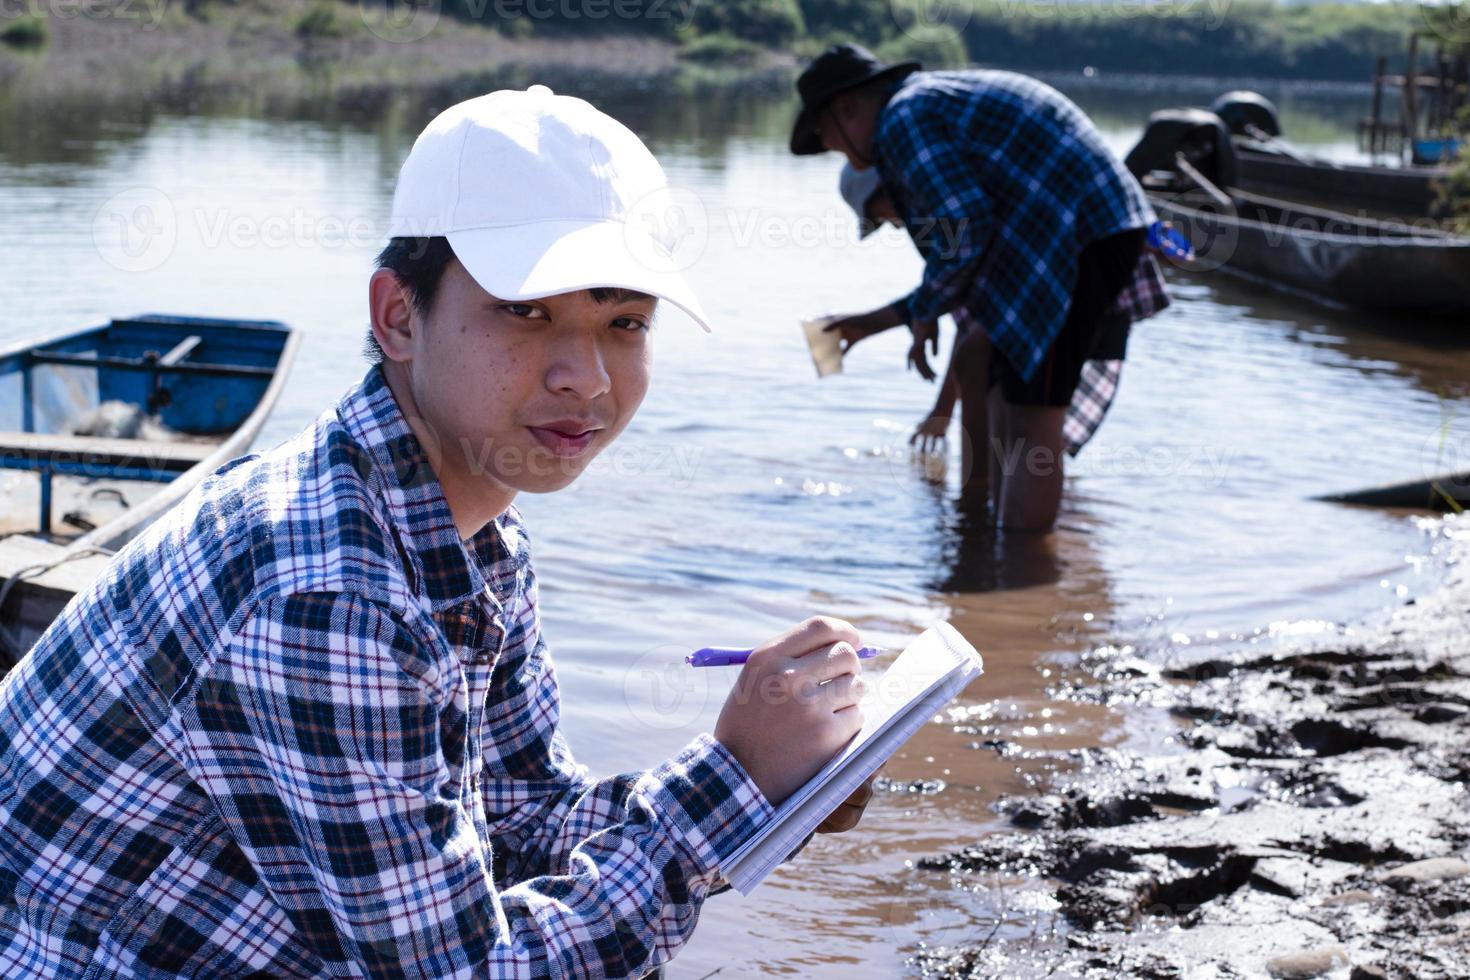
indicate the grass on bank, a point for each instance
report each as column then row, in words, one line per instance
column 25, row 31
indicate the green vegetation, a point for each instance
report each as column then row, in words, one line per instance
column 722, row 50
column 939, row 46
column 1329, row 40
column 1455, row 191
column 1254, row 37
column 26, row 31
column 775, row 23
column 323, row 20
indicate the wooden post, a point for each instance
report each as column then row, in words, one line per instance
column 45, row 501
column 1375, row 132
column 1411, row 94
column 1442, row 118
column 27, row 401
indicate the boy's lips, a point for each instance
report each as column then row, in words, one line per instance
column 566, row 437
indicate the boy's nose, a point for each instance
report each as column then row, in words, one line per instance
column 580, row 369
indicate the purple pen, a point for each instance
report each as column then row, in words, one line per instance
column 734, row 656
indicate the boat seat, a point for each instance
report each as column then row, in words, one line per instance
column 94, row 456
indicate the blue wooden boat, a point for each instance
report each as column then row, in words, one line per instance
column 104, row 429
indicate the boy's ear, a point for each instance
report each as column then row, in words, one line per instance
column 392, row 315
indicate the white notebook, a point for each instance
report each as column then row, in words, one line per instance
column 924, row 678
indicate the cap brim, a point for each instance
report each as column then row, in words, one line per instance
column 546, row 258
column 805, row 140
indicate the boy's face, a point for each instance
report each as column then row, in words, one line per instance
column 525, row 394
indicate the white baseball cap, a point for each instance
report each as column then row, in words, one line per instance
column 540, row 194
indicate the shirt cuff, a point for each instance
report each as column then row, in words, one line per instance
column 711, row 801
column 922, row 304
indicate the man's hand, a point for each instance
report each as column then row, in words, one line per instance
column 859, row 326
column 850, row 811
column 795, row 704
column 930, row 434
column 923, row 331
column 852, row 330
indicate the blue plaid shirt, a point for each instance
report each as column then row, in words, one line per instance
column 1001, row 182
column 300, row 729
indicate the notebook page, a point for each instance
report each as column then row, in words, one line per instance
column 924, row 678
column 912, row 676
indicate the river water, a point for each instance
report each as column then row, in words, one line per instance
column 748, row 495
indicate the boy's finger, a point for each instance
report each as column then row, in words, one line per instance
column 819, row 633
column 845, row 691
column 840, row 660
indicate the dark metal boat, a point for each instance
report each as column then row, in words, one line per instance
column 1188, row 166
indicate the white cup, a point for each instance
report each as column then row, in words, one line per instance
column 826, row 346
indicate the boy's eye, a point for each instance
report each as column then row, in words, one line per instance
column 524, row 310
column 630, row 323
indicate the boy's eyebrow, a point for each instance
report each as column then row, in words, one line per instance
column 617, row 294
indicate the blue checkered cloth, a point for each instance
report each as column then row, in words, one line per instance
column 1001, row 182
column 1145, row 295
column 300, row 729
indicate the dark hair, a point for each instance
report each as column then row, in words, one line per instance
column 419, row 264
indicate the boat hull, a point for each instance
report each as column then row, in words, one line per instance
column 1392, row 267
column 1409, row 192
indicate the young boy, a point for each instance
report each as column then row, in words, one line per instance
column 307, row 725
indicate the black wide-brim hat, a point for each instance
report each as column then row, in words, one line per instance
column 839, row 68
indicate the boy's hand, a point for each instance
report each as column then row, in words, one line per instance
column 930, row 434
column 850, row 811
column 794, row 705
column 924, row 331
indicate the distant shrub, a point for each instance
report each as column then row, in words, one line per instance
column 1326, row 40
column 770, row 22
column 25, row 31
column 937, row 46
column 549, row 18
column 323, row 20
column 1454, row 190
column 865, row 21
column 721, row 49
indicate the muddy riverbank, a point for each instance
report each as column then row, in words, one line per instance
column 1308, row 818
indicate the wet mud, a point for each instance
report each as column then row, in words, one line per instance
column 1308, row 818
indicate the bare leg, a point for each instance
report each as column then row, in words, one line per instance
column 997, row 436
column 1031, row 461
column 972, row 373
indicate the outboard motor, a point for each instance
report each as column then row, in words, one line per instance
column 1200, row 135
column 1244, row 111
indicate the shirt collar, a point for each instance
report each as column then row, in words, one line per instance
column 449, row 571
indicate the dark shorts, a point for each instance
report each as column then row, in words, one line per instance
column 1090, row 332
